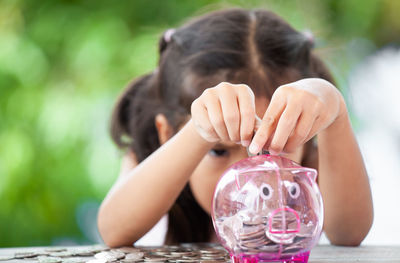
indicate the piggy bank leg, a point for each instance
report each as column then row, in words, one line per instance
column 299, row 258
column 235, row 259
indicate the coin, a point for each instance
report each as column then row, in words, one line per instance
column 61, row 254
column 130, row 260
column 110, row 255
column 134, row 255
column 21, row 255
column 55, row 249
column 82, row 252
column 97, row 261
column 45, row 259
column 155, row 258
column 4, row 258
column 98, row 248
column 75, row 260
column 127, row 250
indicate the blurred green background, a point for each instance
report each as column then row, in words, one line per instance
column 63, row 64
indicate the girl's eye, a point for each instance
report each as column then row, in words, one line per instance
column 218, row 152
column 294, row 190
column 266, row 191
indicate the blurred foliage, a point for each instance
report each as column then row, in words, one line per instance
column 62, row 65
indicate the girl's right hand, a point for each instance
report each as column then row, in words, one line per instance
column 225, row 112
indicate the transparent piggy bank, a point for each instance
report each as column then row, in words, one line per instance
column 268, row 209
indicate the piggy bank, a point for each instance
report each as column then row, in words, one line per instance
column 268, row 209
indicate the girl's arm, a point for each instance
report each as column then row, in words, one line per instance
column 344, row 184
column 297, row 112
column 140, row 198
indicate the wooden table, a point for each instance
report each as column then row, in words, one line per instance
column 370, row 254
column 320, row 254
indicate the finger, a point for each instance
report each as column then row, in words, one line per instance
column 231, row 115
column 216, row 118
column 202, row 122
column 247, row 115
column 317, row 126
column 257, row 122
column 268, row 143
column 268, row 124
column 300, row 132
column 287, row 123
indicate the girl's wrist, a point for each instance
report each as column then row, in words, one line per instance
column 197, row 138
column 342, row 119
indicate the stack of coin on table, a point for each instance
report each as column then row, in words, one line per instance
column 203, row 253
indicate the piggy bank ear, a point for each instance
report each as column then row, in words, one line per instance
column 241, row 180
column 311, row 175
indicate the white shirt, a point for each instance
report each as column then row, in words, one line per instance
column 156, row 236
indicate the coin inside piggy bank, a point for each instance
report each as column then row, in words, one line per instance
column 268, row 209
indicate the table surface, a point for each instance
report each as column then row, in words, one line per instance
column 319, row 254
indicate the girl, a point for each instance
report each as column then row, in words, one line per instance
column 215, row 75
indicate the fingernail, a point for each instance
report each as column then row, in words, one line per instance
column 253, row 148
column 246, row 143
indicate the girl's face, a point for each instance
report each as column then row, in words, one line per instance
column 224, row 154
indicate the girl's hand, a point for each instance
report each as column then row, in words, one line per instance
column 298, row 111
column 225, row 112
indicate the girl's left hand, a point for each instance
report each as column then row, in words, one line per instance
column 296, row 113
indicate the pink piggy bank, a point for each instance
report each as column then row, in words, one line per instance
column 268, row 209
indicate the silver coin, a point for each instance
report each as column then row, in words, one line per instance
column 259, row 221
column 5, row 257
column 45, row 259
column 213, row 256
column 97, row 248
column 134, row 255
column 43, row 253
column 97, row 261
column 131, row 260
column 181, row 253
column 212, row 251
column 75, row 260
column 83, row 252
column 61, row 254
column 127, row 250
column 213, row 259
column 21, row 255
column 55, row 249
column 110, row 255
column 154, row 258
column 248, row 232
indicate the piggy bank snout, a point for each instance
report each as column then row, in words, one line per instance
column 283, row 225
column 284, row 220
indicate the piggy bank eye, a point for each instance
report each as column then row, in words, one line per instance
column 266, row 191
column 294, row 190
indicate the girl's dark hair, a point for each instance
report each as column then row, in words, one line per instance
column 254, row 47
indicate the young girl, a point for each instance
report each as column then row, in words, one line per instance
column 185, row 123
